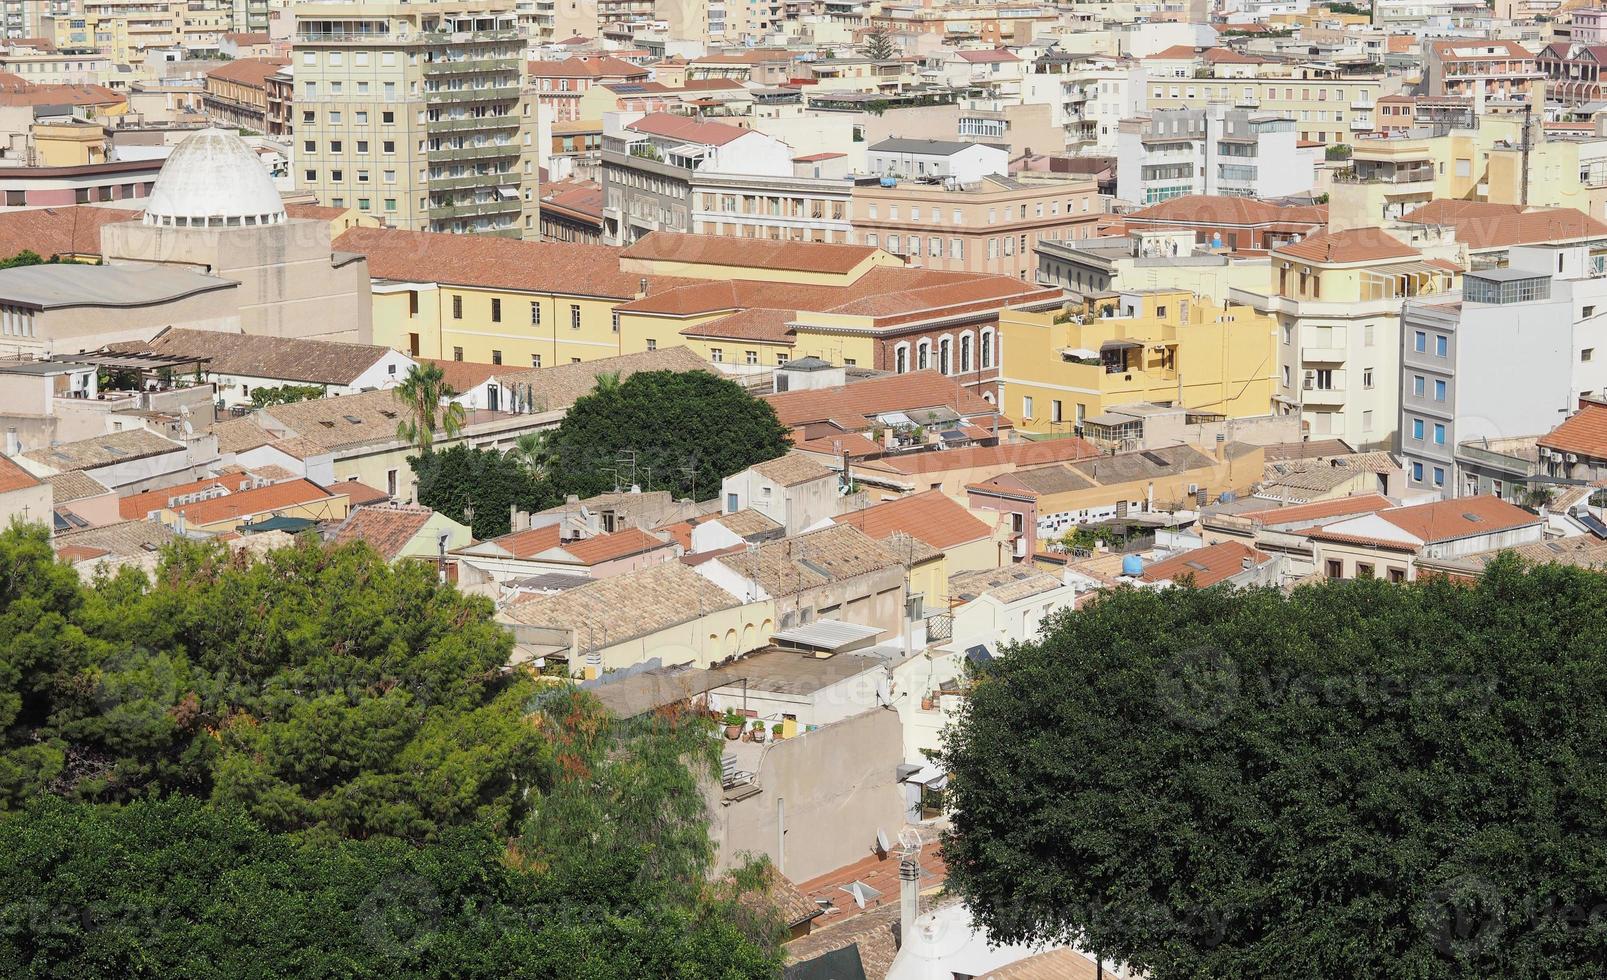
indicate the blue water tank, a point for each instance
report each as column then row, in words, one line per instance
column 1132, row 566
column 889, row 181
column 1216, row 241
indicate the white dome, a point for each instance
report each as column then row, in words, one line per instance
column 213, row 179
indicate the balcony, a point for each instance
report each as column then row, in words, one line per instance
column 488, row 151
column 1323, row 397
column 495, row 93
column 1322, row 355
column 468, row 124
column 470, row 65
column 473, row 180
column 509, row 205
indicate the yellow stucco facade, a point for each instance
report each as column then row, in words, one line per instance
column 518, row 328
column 1163, row 346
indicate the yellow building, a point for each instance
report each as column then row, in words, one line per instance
column 68, row 144
column 1326, row 108
column 1162, row 346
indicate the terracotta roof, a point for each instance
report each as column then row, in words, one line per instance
column 1177, row 52
column 139, row 506
column 248, row 503
column 103, row 450
column 687, row 130
column 1206, row 566
column 1055, row 964
column 252, row 72
column 771, row 326
column 558, row 387
column 789, row 566
column 930, row 517
column 71, row 230
column 791, row 470
column 72, row 554
column 489, row 260
column 1442, row 520
column 1481, row 225
column 248, row 37
column 77, row 95
column 854, row 445
column 387, row 528
column 1476, row 49
column 667, row 246
column 881, row 873
column 1352, row 245
column 854, row 404
column 1206, row 209
column 1228, row 56
column 581, row 197
column 1364, row 503
column 529, row 542
column 464, row 375
column 625, row 607
column 126, row 539
column 987, row 57
column 74, row 485
column 14, row 477
column 314, row 211
column 359, row 494
column 612, row 547
column 586, row 66
column 1016, row 454
column 260, row 356
column 1583, row 433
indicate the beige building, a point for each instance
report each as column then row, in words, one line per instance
column 991, row 226
column 1325, row 108
column 417, row 113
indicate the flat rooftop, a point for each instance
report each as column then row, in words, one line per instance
column 69, row 284
column 790, row 672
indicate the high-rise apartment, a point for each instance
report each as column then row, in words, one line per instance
column 416, row 112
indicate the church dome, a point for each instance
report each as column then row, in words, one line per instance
column 213, row 179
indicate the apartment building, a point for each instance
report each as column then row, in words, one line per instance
column 992, row 225
column 236, row 92
column 1508, row 356
column 1337, row 298
column 416, row 113
column 1214, row 150
column 1497, row 69
column 1161, row 346
column 560, row 84
column 1325, row 106
column 1088, row 96
column 935, row 159
column 82, row 66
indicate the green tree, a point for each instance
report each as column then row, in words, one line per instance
column 24, row 258
column 687, row 431
column 1358, row 779
column 285, row 394
column 427, row 398
column 879, row 45
column 453, row 479
column 530, row 452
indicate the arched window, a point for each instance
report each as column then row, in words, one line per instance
column 965, row 353
column 901, row 358
column 945, row 355
column 987, row 348
column 923, row 355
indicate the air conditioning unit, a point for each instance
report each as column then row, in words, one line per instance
column 1573, row 457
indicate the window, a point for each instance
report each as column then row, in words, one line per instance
column 1336, row 568
column 496, row 313
column 1417, row 472
column 1367, row 420
column 652, row 344
column 457, row 307
column 535, row 313
column 1439, row 391
column 574, row 316
column 1026, row 406
column 923, row 354
column 1439, row 433
column 1325, row 379
column 1364, row 570
column 388, row 118
column 1441, row 345
column 750, row 356
column 1288, row 333
column 1056, row 413
column 614, row 322
column 901, row 359
column 390, row 482
column 535, row 360
column 496, row 357
column 716, row 355
column 1366, row 377
column 457, row 353
column 1439, row 476
column 1417, row 429
column 1417, row 385
column 1587, row 353
column 987, row 348
column 1419, row 341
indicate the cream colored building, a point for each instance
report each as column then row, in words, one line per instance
column 417, row 112
column 1324, row 109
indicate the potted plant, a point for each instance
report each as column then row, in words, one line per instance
column 776, row 730
column 928, row 701
column 758, row 731
column 733, row 724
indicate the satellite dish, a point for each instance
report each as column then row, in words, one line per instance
column 882, row 847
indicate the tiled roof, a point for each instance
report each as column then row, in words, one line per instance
column 359, row 494
column 807, row 561
column 611, row 547
column 77, row 95
column 1007, row 583
column 559, row 386
column 1583, row 433
column 1307, row 450
column 464, row 375
column 748, row 252
column 103, row 450
column 624, row 607
column 338, row 422
column 73, row 230
column 241, row 434
column 1478, row 49
column 1206, row 566
column 253, row 72
column 580, row 197
column 687, row 130
column 1351, row 245
column 855, row 403
column 127, row 539
column 1017, row 454
column 1065, row 963
column 1443, row 520
column 930, row 517
column 387, row 528
column 772, row 326
column 529, row 542
column 14, row 477
column 1177, row 52
column 987, row 57
column 1481, row 225
column 491, row 261
column 74, row 485
column 138, row 506
column 248, row 503
column 1228, row 56
column 854, row 445
column 1103, row 471
column 746, row 522
column 258, row 356
column 1364, row 503
column 791, row 470
column 1205, row 209
column 582, row 66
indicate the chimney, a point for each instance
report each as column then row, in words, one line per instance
column 1221, row 448
column 1248, row 563
column 641, row 288
column 909, row 896
column 13, row 444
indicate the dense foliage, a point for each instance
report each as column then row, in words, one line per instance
column 285, row 394
column 1358, row 779
column 450, row 480
column 682, row 431
column 315, row 764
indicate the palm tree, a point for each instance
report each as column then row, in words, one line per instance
column 530, row 451
column 428, row 400
column 607, row 382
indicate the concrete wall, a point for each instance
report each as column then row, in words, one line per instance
column 822, row 797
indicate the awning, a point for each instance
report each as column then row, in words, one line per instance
column 1119, row 345
column 979, row 654
column 1079, row 352
column 1408, row 268
column 929, row 776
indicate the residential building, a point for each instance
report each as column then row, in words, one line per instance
column 1475, row 66
column 1232, row 222
column 279, row 94
column 1147, row 258
column 792, row 490
column 127, row 461
column 23, row 496
column 937, row 538
column 1387, row 544
column 560, row 84
column 1337, row 299
column 1215, row 150
column 916, row 159
column 541, row 550
column 991, row 226
column 1088, row 96
column 1163, row 346
column 1280, row 529
column 952, row 470
column 237, row 92
column 1325, row 106
column 572, row 211
column 1507, row 356
column 1576, row 449
column 860, row 406
column 1490, row 231
column 417, row 113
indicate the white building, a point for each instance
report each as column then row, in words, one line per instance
column 1214, row 150
column 1507, row 357
column 1088, row 96
column 916, row 158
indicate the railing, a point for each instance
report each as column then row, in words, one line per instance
column 468, row 65
column 483, row 152
column 472, row 124
column 475, row 209
column 472, row 180
column 490, row 94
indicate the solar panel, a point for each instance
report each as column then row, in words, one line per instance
column 1153, row 458
column 1593, row 524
